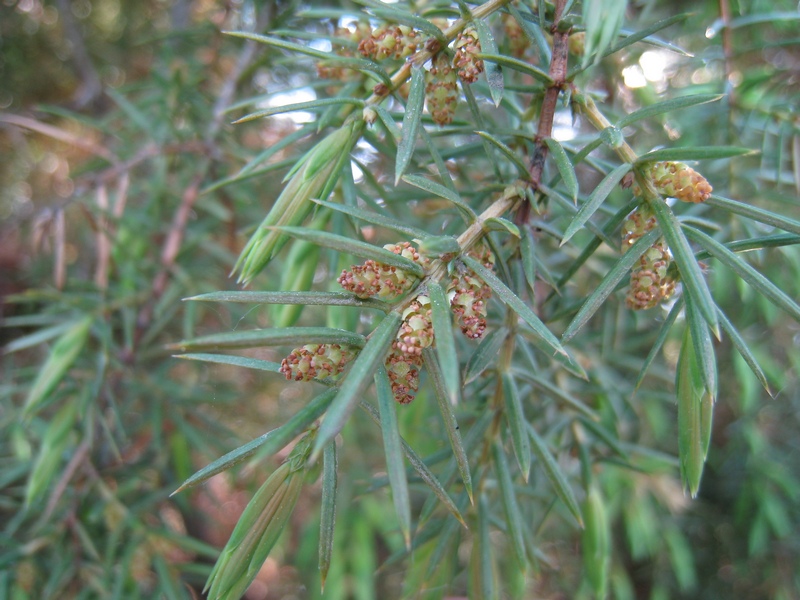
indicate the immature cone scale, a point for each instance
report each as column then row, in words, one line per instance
column 650, row 283
column 636, row 225
column 403, row 370
column 377, row 279
column 469, row 296
column 416, row 332
column 316, row 361
column 441, row 90
column 467, row 47
column 389, row 41
column 405, row 358
column 677, row 180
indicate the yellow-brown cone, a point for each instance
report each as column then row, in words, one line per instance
column 441, row 90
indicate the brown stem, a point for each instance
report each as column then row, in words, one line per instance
column 62, row 135
column 475, row 232
column 471, row 236
column 558, row 73
column 59, row 250
column 169, row 252
column 78, row 458
column 103, row 240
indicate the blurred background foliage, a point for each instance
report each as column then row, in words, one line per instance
column 115, row 140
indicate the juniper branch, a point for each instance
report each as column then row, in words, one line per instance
column 558, row 73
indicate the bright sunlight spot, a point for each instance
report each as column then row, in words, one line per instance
column 634, row 77
column 654, row 64
column 563, row 131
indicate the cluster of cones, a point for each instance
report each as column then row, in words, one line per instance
column 468, row 297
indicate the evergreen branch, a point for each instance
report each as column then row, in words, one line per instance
column 558, row 74
column 421, row 57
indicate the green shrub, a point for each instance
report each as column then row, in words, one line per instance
column 520, row 278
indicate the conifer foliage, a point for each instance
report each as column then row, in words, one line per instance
column 517, row 255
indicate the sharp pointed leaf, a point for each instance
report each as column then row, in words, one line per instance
column 603, row 21
column 609, row 283
column 517, row 424
column 514, row 302
column 354, row 247
column 516, row 65
column 691, row 274
column 62, row 356
column 693, row 416
column 236, row 361
column 608, row 229
column 286, row 336
column 508, row 152
column 757, row 214
column 407, row 18
column 436, row 189
column 267, row 444
column 763, row 285
column 782, row 17
column 557, row 393
column 327, row 510
column 527, row 251
column 394, row 454
column 663, row 332
column 533, row 32
column 514, row 522
column 411, row 123
column 564, row 166
column 382, row 220
column 568, row 360
column 442, row 320
column 493, row 70
column 667, row 106
column 695, row 153
column 388, row 122
column 422, row 469
column 485, row 354
column 354, row 63
column 645, row 35
column 307, row 298
column 595, row 199
column 744, row 350
column 37, row 337
column 482, row 568
column 596, row 540
column 554, row 473
column 313, row 104
column 608, row 437
column 357, row 380
column 704, row 355
column 449, row 419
